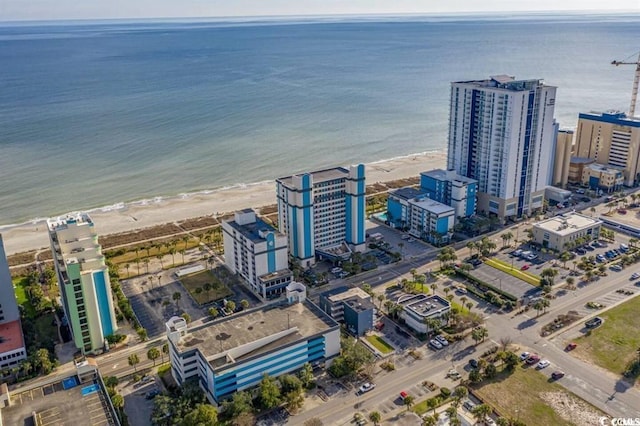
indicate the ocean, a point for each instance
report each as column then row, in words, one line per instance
column 99, row 113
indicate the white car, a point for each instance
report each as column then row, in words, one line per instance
column 543, row 364
column 441, row 339
column 524, row 355
column 366, row 387
column 435, row 344
column 635, row 276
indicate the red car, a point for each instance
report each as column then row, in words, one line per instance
column 524, row 267
column 571, row 346
column 533, row 359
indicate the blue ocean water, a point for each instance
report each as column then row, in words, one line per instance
column 93, row 114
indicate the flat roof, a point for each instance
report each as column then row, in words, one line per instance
column 56, row 406
column 432, row 205
column 567, row 223
column 343, row 293
column 505, row 82
column 63, row 221
column 450, row 175
column 407, row 193
column 359, row 304
column 252, row 230
column 303, row 319
column 422, row 304
column 611, row 117
column 581, row 160
column 605, row 168
column 11, row 337
column 318, row 175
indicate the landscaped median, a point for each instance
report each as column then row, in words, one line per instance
column 380, row 344
column 527, row 277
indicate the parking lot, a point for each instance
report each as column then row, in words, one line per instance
column 394, row 239
column 504, row 281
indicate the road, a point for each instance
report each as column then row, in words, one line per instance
column 601, row 388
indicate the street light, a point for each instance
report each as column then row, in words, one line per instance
column 499, row 282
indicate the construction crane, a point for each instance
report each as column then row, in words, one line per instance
column 634, row 91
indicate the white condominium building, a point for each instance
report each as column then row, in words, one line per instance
column 502, row 133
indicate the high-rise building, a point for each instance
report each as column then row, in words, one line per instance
column 501, row 133
column 12, row 348
column 258, row 252
column 611, row 139
column 448, row 187
column 83, row 279
column 562, row 159
column 323, row 213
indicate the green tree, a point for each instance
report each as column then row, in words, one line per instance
column 475, row 376
column 207, row 288
column 429, row 421
column 511, row 360
column 142, row 334
column 244, row 303
column 213, row 312
column 186, row 317
column 433, row 403
column 408, row 402
column 459, row 394
column 314, row 421
column 490, row 370
column 481, row 412
column 42, row 361
column 479, row 334
column 202, row 415
column 375, row 417
column 133, row 360
column 153, row 354
column 306, row 375
column 230, row 306
column 239, row 403
column 290, row 383
column 164, row 351
column 269, row 392
column 176, row 297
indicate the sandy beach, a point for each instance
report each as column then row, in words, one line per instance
column 138, row 215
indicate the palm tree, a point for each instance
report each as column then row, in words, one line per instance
column 133, row 360
column 159, row 257
column 172, row 252
column 433, row 403
column 182, row 252
column 408, row 402
column 507, row 236
column 375, row 417
column 463, row 299
column 207, row 288
column 469, row 306
column 471, row 246
column 185, row 240
column 538, row 306
column 164, row 351
column 481, row 412
column 380, row 298
column 434, row 287
column 176, row 297
column 127, row 266
column 146, row 264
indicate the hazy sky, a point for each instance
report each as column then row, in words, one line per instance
column 97, row 9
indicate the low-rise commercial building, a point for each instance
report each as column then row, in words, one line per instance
column 398, row 213
column 353, row 306
column 257, row 252
column 419, row 308
column 576, row 169
column 232, row 354
column 606, row 178
column 561, row 232
column 431, row 221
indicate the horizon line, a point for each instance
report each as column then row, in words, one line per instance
column 334, row 15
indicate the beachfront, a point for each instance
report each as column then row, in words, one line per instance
column 33, row 236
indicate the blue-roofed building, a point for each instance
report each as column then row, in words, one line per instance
column 611, row 139
column 452, row 189
column 398, row 213
column 323, row 213
column 257, row 252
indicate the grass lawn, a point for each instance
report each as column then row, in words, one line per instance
column 529, row 396
column 21, row 296
column 198, row 280
column 506, row 268
column 613, row 345
column 380, row 344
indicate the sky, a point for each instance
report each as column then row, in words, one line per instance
column 114, row 9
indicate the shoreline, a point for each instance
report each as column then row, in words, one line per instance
column 125, row 217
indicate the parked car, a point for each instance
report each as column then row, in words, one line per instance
column 152, row 394
column 622, row 211
column 442, row 340
column 473, row 363
column 366, row 387
column 557, row 375
column 543, row 364
column 435, row 344
column 560, row 206
column 469, row 405
column 594, row 322
column 517, row 252
column 635, row 276
column 461, row 290
column 624, row 247
column 616, row 268
column 532, row 359
column 601, row 258
column 571, row 346
column 580, row 191
column 403, row 395
column 532, row 256
column 524, row 355
column 524, row 267
column 580, row 250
